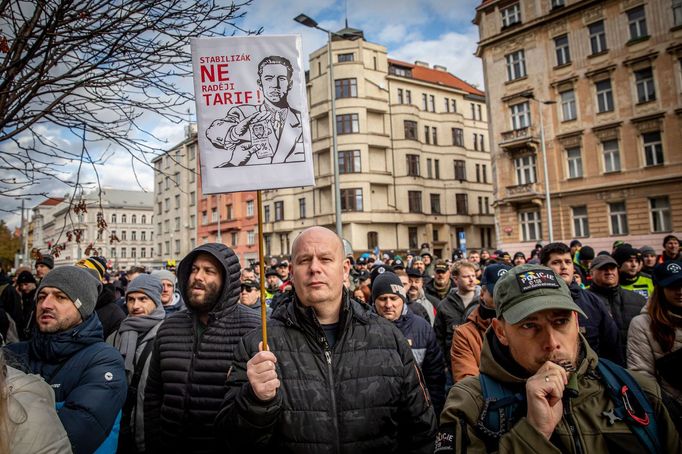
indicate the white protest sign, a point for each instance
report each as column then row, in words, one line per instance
column 252, row 113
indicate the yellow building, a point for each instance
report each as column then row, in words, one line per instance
column 605, row 79
column 413, row 153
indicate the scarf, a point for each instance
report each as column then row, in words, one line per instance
column 131, row 331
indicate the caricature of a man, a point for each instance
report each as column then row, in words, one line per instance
column 241, row 131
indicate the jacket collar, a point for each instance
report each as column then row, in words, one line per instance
column 55, row 347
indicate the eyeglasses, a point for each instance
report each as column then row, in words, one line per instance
column 248, row 289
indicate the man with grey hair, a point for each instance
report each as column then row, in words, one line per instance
column 69, row 352
column 331, row 366
column 170, row 298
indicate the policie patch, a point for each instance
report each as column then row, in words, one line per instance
column 536, row 279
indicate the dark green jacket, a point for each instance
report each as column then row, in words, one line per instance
column 465, row 402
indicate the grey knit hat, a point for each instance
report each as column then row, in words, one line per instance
column 78, row 284
column 149, row 284
column 165, row 275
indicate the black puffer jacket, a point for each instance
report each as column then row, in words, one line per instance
column 624, row 305
column 186, row 383
column 451, row 313
column 363, row 395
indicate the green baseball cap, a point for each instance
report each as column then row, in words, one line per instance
column 527, row 289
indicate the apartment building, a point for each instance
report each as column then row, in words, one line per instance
column 413, row 154
column 129, row 218
column 175, row 199
column 603, row 81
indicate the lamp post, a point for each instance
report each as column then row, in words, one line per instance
column 310, row 22
column 548, row 198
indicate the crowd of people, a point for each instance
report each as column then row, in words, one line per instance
column 567, row 350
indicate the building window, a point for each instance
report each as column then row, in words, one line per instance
column 531, row 226
column 581, row 227
column 349, row 161
column 133, row 253
column 516, row 65
column 458, row 137
column 611, row 156
column 461, row 204
column 660, row 214
column 301, row 208
column 159, row 208
column 604, row 96
column 484, row 171
column 204, row 219
column 143, row 253
column 124, row 219
column 410, row 130
column 653, row 148
column 123, row 235
column 481, row 142
column 432, row 103
column 637, row 23
column 347, row 124
column 597, row 37
column 429, row 168
column 192, row 176
column 250, row 238
column 133, row 219
column 427, row 136
column 113, row 216
column 425, row 102
column 177, row 247
column 372, row 240
column 144, row 219
column 644, row 81
column 345, row 57
column 558, row 3
column 460, row 170
column 413, row 237
column 436, row 168
column 575, row 162
column 123, row 253
column 133, row 234
column 235, row 238
column 412, row 165
column 520, row 115
column 475, row 141
column 408, row 96
column 447, row 105
column 230, row 213
column 249, row 207
column 619, row 218
column 435, row 203
column 511, row 15
column 401, row 99
column 279, row 211
column 434, row 135
column 192, row 198
column 351, row 199
column 214, row 215
column 414, row 201
column 568, row 109
column 266, row 213
column 525, row 169
column 563, row 53
column 677, row 13
column 346, row 88
column 143, row 236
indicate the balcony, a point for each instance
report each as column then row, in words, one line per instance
column 518, row 139
column 522, row 193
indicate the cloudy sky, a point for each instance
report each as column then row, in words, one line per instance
column 436, row 31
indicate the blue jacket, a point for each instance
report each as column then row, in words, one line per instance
column 88, row 379
column 599, row 328
column 427, row 354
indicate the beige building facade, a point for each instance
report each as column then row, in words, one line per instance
column 413, row 151
column 604, row 78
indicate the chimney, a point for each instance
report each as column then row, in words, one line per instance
column 421, row 63
column 440, row 68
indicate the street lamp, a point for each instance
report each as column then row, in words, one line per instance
column 310, row 22
column 548, row 199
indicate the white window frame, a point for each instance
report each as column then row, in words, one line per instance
column 525, row 169
column 569, row 111
column 604, row 96
column 653, row 149
column 516, row 65
column 562, row 50
column 250, row 238
column 637, row 24
column 249, row 208
column 644, row 85
column 520, row 115
column 618, row 218
column 530, row 223
column 597, row 37
column 581, row 223
column 611, row 156
column 574, row 162
column 661, row 215
column 677, row 13
column 511, row 15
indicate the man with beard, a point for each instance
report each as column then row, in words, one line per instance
column 416, row 307
column 193, row 351
column 547, row 388
column 439, row 287
column 44, row 265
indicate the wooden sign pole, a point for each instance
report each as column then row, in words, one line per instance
column 261, row 266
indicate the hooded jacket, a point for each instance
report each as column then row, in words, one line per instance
column 363, row 395
column 599, row 328
column 582, row 422
column 467, row 344
column 451, row 313
column 189, row 363
column 33, row 422
column 623, row 305
column 87, row 376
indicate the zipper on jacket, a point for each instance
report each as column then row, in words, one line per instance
column 332, row 394
column 572, row 428
column 190, row 374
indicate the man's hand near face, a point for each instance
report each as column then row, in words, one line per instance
column 544, row 391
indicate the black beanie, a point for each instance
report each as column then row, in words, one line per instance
column 46, row 260
column 388, row 283
column 624, row 253
column 586, row 253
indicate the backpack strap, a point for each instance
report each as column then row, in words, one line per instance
column 500, row 409
column 631, row 404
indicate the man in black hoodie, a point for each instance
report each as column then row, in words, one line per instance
column 193, row 354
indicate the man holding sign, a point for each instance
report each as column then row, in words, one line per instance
column 337, row 376
column 267, row 133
